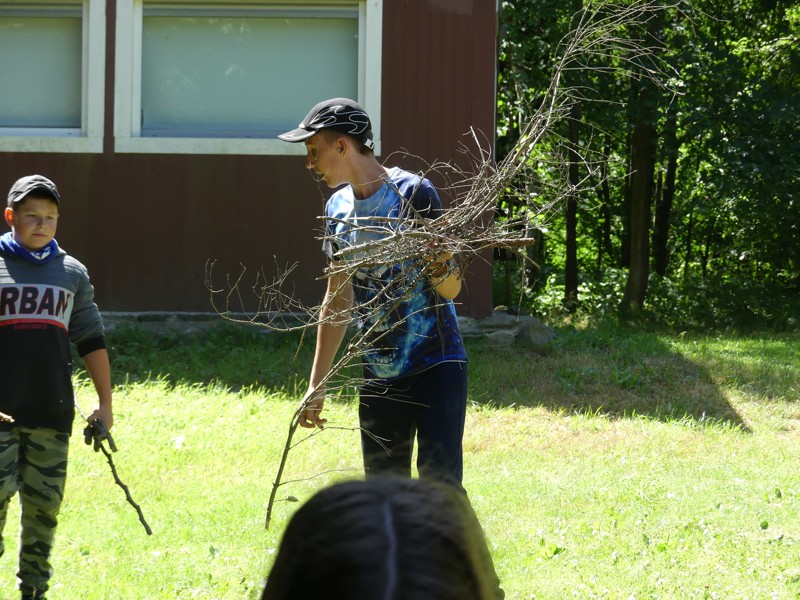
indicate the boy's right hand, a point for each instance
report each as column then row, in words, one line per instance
column 104, row 414
column 310, row 409
column 97, row 432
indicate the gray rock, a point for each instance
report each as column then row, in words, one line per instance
column 500, row 320
column 468, row 326
column 533, row 332
column 501, row 337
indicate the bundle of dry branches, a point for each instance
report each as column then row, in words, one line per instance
column 468, row 227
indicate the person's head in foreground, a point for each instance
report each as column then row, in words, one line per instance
column 383, row 539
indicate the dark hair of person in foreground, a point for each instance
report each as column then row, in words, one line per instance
column 384, row 539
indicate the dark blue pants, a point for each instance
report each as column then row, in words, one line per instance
column 430, row 406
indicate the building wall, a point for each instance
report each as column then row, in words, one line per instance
column 147, row 226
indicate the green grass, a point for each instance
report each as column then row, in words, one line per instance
column 614, row 464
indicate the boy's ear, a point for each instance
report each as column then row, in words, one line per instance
column 9, row 216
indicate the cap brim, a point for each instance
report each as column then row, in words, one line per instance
column 296, row 135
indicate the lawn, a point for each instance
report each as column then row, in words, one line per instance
column 613, row 464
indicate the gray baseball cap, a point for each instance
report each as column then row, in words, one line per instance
column 341, row 114
column 32, row 183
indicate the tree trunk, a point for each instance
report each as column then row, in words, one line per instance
column 571, row 214
column 687, row 260
column 604, row 246
column 533, row 262
column 625, row 242
column 689, row 237
column 641, row 187
column 665, row 198
column 571, row 208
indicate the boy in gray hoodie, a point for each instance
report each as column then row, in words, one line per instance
column 46, row 303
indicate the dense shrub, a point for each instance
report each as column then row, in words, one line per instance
column 701, row 304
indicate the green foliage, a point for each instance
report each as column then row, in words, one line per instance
column 743, row 141
column 702, row 304
column 714, row 303
column 526, row 55
column 733, row 232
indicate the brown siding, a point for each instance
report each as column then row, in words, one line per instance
column 438, row 82
column 146, row 225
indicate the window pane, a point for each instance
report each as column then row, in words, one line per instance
column 241, row 77
column 40, row 72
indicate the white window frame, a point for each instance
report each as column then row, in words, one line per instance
column 89, row 137
column 128, row 80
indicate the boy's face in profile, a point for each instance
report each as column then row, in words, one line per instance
column 33, row 222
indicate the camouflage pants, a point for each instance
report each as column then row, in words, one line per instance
column 33, row 462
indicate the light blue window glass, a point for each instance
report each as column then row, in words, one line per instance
column 41, row 61
column 242, row 76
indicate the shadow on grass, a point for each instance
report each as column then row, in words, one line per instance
column 234, row 356
column 605, row 370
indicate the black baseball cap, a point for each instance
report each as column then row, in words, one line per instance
column 24, row 186
column 341, row 114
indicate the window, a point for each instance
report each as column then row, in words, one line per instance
column 195, row 77
column 52, row 63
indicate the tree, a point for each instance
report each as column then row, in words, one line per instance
column 642, row 160
column 644, row 111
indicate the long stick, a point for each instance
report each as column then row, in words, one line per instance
column 285, row 455
column 125, row 489
column 96, row 432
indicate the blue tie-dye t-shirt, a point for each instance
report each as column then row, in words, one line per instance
column 420, row 329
